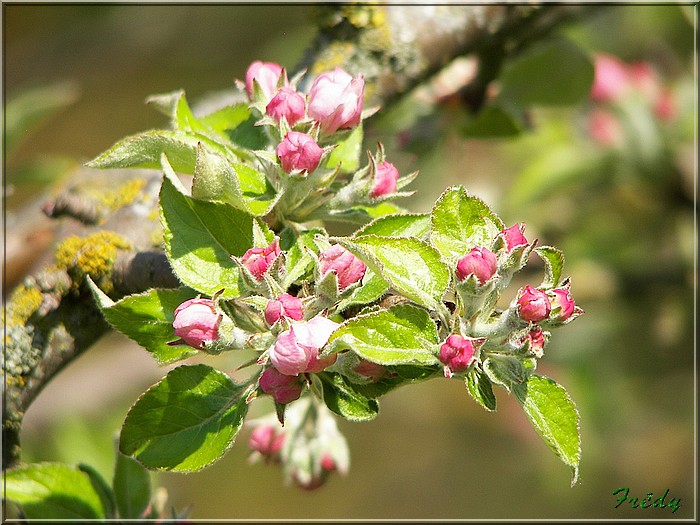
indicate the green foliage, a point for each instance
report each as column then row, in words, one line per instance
column 186, row 421
column 132, row 487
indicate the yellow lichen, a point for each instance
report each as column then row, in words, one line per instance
column 93, row 255
column 23, row 303
column 123, row 195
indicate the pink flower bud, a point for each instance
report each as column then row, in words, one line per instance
column 456, row 353
column 480, row 262
column 604, row 128
column 533, row 304
column 258, row 260
column 267, row 75
column 644, row 78
column 287, row 103
column 610, row 79
column 327, row 462
column 299, row 151
column 283, row 388
column 347, row 267
column 335, row 100
column 266, row 440
column 196, row 322
column 514, row 236
column 562, row 304
column 536, row 340
column 371, row 370
column 285, row 305
column 385, row 178
column 296, row 349
column 665, row 106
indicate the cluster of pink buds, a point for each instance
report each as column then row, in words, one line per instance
column 457, row 353
column 536, row 305
column 615, row 80
column 267, row 440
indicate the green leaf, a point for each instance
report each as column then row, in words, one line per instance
column 132, row 487
column 505, row 370
column 404, row 334
column 174, row 105
column 218, row 179
column 554, row 416
column 479, row 387
column 343, row 400
column 227, row 118
column 54, row 491
column 298, row 261
column 553, row 264
column 553, row 73
column 400, row 225
column 347, row 153
column 372, row 288
column 410, row 266
column 491, row 122
column 397, row 376
column 147, row 318
column 186, row 421
column 460, row 222
column 248, row 136
column 200, row 238
column 102, row 488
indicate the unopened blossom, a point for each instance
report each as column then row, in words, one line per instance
column 196, row 322
column 335, row 100
column 370, row 370
column 535, row 340
column 296, row 350
column 267, row 75
column 267, row 440
column 299, row 151
column 480, row 262
column 259, row 260
column 385, row 178
column 284, row 306
column 347, row 267
column 562, row 304
column 514, row 236
column 287, row 103
column 610, row 80
column 456, row 353
column 605, row 128
column 533, row 304
column 283, row 388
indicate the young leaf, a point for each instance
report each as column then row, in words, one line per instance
column 298, row 261
column 553, row 264
column 371, row 289
column 103, row 489
column 479, row 387
column 53, row 491
column 147, row 318
column 554, row 416
column 227, row 118
column 218, row 179
column 459, row 222
column 505, row 370
column 400, row 225
column 410, row 266
column 174, row 105
column 132, row 487
column 491, row 122
column 404, row 334
column 343, row 400
column 200, row 238
column 186, row 421
column 347, row 153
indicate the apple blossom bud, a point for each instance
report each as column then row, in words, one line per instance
column 299, row 151
column 514, row 236
column 665, row 106
column 285, row 305
column 335, row 100
column 196, row 322
column 266, row 440
column 327, row 462
column 347, row 267
column 562, row 304
column 282, row 387
column 536, row 340
column 259, row 260
column 385, row 178
column 371, row 370
column 480, row 262
column 296, row 349
column 533, row 304
column 267, row 75
column 456, row 353
column 604, row 128
column 287, row 103
column 610, row 79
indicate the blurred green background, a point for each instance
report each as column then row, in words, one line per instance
column 622, row 215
